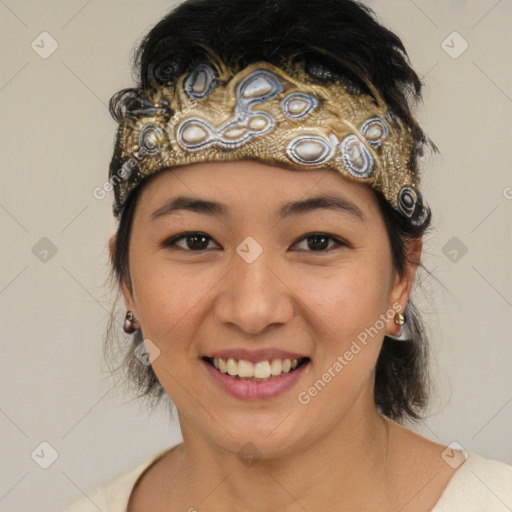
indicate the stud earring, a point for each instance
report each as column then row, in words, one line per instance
column 131, row 324
column 402, row 335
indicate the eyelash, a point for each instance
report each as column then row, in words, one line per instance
column 189, row 234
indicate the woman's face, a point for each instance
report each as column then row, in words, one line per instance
column 259, row 277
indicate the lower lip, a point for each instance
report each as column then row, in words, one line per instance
column 252, row 390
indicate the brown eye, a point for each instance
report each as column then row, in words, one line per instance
column 319, row 242
column 197, row 241
column 194, row 241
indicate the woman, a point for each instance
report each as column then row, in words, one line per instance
column 266, row 178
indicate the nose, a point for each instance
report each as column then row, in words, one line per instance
column 254, row 296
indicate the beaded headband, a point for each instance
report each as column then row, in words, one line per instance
column 264, row 113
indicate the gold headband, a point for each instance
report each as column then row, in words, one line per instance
column 264, row 113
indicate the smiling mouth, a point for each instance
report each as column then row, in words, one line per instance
column 240, row 369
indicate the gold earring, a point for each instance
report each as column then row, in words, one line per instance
column 399, row 319
column 131, row 324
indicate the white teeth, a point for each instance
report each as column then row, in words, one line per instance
column 260, row 370
column 275, row 368
column 232, row 367
column 245, row 368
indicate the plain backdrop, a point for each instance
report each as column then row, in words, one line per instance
column 56, row 143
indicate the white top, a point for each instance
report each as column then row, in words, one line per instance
column 478, row 485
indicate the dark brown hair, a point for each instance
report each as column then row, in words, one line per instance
column 336, row 40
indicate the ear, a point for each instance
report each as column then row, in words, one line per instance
column 128, row 301
column 402, row 285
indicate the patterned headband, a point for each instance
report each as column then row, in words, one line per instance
column 264, row 113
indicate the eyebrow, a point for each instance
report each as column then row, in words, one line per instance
column 212, row 208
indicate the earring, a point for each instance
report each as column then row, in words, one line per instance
column 399, row 320
column 131, row 324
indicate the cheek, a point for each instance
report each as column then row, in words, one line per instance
column 169, row 303
column 169, row 300
column 346, row 312
column 349, row 299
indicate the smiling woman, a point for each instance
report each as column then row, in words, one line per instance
column 270, row 230
column 308, row 259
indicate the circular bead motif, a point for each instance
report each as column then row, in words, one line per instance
column 149, row 138
column 356, row 158
column 258, row 123
column 201, row 82
column 310, row 150
column 374, row 130
column 235, row 133
column 411, row 205
column 257, row 87
column 407, row 199
column 193, row 133
column 298, row 105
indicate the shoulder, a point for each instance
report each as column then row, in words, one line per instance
column 479, row 484
column 113, row 494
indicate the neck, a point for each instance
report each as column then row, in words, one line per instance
column 343, row 470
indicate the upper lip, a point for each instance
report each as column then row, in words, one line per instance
column 255, row 355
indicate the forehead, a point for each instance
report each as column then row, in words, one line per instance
column 247, row 184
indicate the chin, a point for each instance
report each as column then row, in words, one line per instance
column 253, row 442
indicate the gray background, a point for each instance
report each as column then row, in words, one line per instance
column 57, row 139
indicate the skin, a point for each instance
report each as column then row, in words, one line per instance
column 335, row 452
